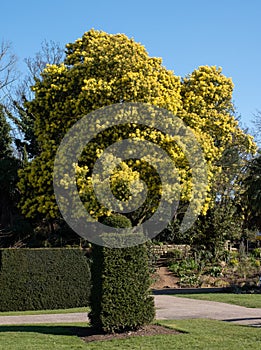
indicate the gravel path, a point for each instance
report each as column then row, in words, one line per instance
column 167, row 307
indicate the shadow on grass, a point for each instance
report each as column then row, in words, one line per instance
column 181, row 291
column 79, row 331
column 242, row 319
column 255, row 321
column 48, row 329
column 89, row 334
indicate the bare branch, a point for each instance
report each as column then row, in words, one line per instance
column 50, row 53
column 8, row 73
column 257, row 124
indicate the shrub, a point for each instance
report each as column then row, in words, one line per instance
column 117, row 220
column 190, row 280
column 213, row 271
column 120, row 297
column 175, row 254
column 37, row 279
column 185, row 267
column 234, row 262
column 256, row 253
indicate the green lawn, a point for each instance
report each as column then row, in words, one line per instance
column 201, row 334
column 247, row 300
column 40, row 312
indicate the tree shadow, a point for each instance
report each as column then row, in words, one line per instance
column 90, row 334
column 173, row 291
column 252, row 321
column 47, row 329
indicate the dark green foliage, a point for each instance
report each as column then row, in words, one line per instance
column 37, row 279
column 117, row 220
column 9, row 165
column 28, row 146
column 251, row 197
column 5, row 138
column 120, row 297
column 9, row 193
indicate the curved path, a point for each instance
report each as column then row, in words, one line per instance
column 167, row 307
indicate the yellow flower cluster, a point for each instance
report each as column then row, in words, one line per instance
column 102, row 69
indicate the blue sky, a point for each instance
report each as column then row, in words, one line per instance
column 186, row 34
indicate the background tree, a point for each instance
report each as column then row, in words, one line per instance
column 223, row 220
column 8, row 73
column 249, row 197
column 257, row 125
column 251, row 194
column 26, row 141
column 9, row 197
column 13, row 227
column 5, row 137
column 25, row 144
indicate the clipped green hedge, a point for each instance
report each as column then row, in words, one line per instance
column 120, row 297
column 38, row 279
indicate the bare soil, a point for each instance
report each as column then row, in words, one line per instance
column 163, row 278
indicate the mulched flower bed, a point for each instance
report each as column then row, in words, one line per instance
column 89, row 334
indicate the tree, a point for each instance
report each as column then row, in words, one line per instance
column 8, row 175
column 16, row 229
column 5, row 137
column 7, row 67
column 85, row 82
column 26, row 141
column 208, row 109
column 49, row 53
column 223, row 220
column 251, row 193
column 257, row 124
column 207, row 101
column 100, row 70
column 8, row 75
column 103, row 70
column 9, row 165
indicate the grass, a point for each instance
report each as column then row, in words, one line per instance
column 200, row 334
column 40, row 312
column 247, row 300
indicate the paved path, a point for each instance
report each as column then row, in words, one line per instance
column 167, row 307
column 51, row 318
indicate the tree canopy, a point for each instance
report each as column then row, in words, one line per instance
column 101, row 69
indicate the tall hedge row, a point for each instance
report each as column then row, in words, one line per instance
column 120, row 297
column 37, row 279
